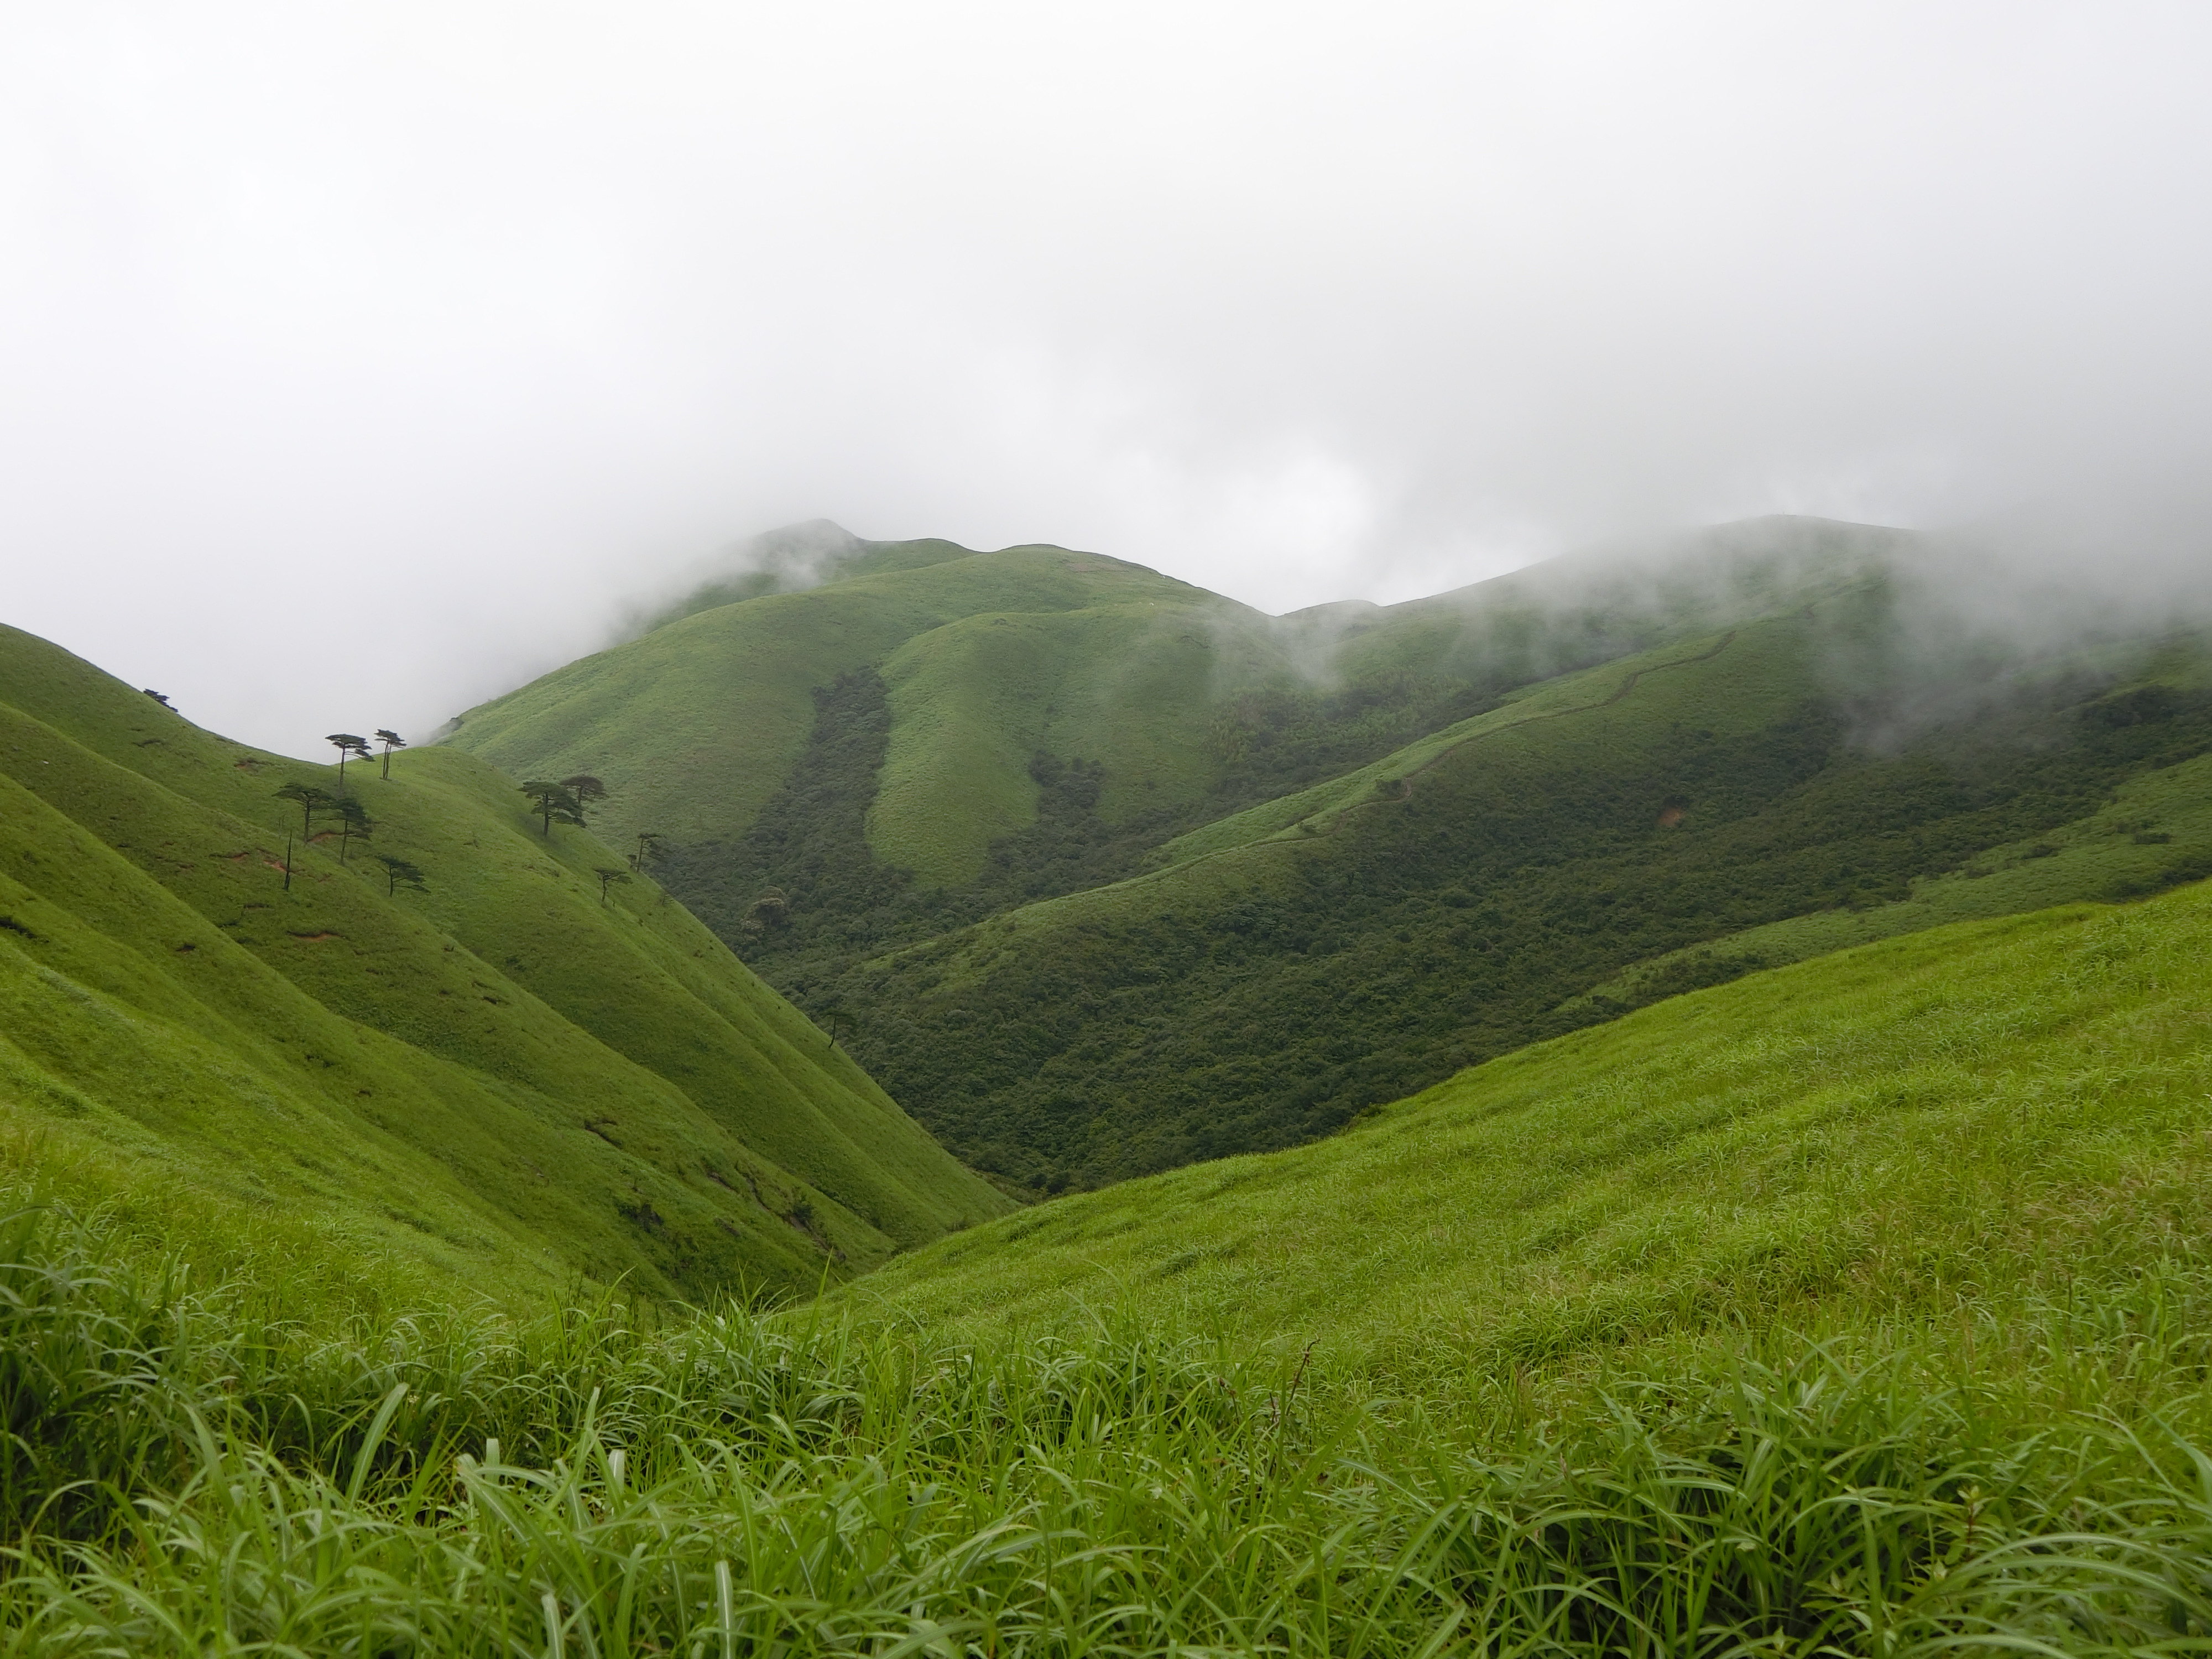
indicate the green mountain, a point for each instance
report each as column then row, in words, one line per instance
column 524, row 1068
column 1856, row 1305
column 971, row 676
column 698, row 725
column 1115, row 875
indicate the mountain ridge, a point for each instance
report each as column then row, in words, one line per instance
column 1272, row 872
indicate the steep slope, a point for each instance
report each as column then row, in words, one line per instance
column 1876, row 1130
column 1475, row 891
column 975, row 682
column 509, row 1076
column 697, row 724
column 1106, row 879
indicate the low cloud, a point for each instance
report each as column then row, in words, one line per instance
column 358, row 362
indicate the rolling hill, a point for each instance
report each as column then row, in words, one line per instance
column 697, row 724
column 1676, row 818
column 1115, row 875
column 970, row 669
column 505, row 1076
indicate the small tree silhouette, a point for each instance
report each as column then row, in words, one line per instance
column 159, row 698
column 391, row 740
column 554, row 800
column 607, row 875
column 648, row 843
column 311, row 801
column 397, row 871
column 353, row 820
column 587, row 790
column 834, row 1013
column 348, row 746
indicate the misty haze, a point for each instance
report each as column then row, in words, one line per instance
column 976, row 829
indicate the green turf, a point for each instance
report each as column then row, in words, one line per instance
column 1872, row 1128
column 503, row 1079
column 1853, row 1308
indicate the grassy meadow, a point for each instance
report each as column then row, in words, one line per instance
column 1858, row 1307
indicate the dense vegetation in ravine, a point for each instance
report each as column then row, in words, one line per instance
column 801, row 893
column 1099, row 874
column 1267, row 995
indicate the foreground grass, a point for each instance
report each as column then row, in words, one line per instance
column 1863, row 1307
column 2023, row 1471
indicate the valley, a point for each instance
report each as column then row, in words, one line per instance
column 947, row 1103
column 1115, row 875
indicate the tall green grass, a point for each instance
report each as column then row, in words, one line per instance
column 2019, row 1471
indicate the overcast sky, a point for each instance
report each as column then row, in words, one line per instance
column 360, row 361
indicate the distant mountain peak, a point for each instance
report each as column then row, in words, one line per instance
column 786, row 560
column 809, row 541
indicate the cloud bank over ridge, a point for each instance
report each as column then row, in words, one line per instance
column 357, row 361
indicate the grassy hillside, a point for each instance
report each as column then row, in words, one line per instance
column 697, row 724
column 503, row 1079
column 1109, row 877
column 983, row 733
column 1875, row 1131
column 1480, row 889
column 1855, row 1307
column 992, row 664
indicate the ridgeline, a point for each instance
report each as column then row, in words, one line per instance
column 1105, row 874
